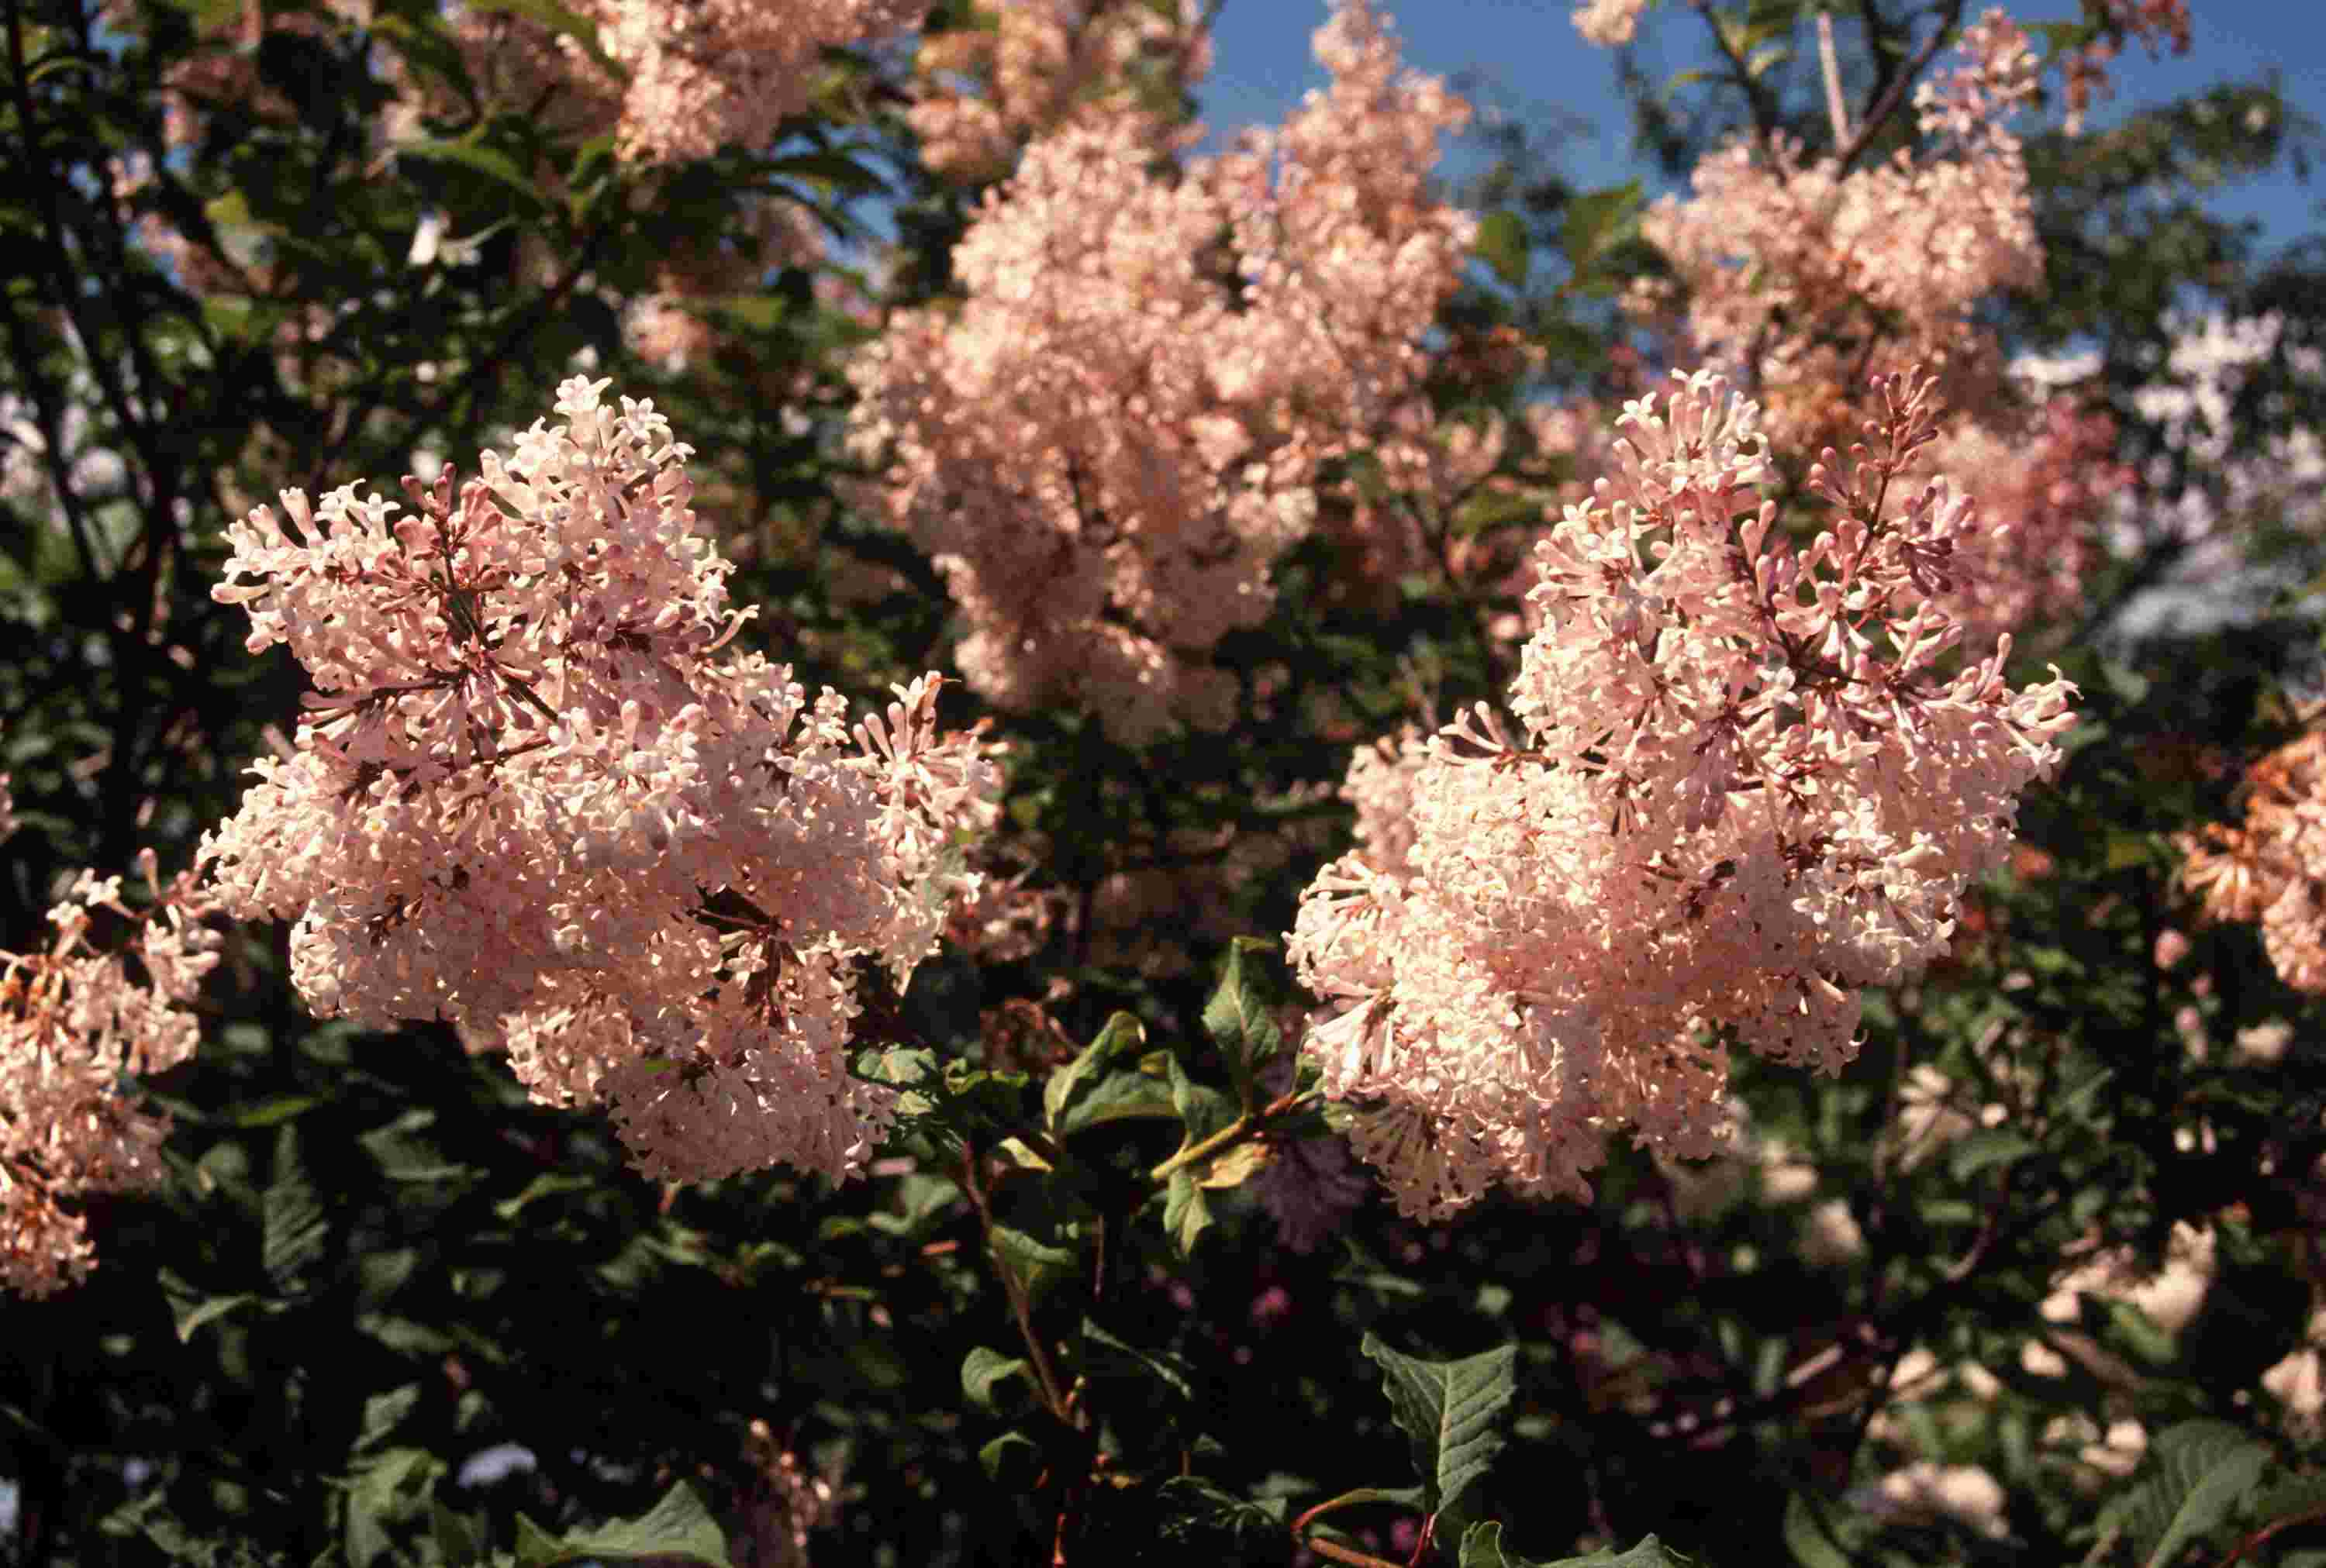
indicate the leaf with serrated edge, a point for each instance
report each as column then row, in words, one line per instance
column 679, row 1526
column 1237, row 1017
column 2195, row 1474
column 1186, row 1214
column 1447, row 1410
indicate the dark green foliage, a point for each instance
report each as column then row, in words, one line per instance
column 1056, row 1317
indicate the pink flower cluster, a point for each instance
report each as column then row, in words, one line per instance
column 2272, row 871
column 1027, row 67
column 72, row 1022
column 2152, row 22
column 531, row 798
column 1608, row 22
column 1798, row 274
column 690, row 77
column 1810, row 273
column 659, row 327
column 706, row 73
column 2047, row 483
column 1112, row 438
column 1744, row 789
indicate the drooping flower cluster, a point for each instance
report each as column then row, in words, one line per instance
column 1742, row 790
column 2040, row 469
column 1809, row 272
column 1798, row 275
column 2273, row 870
column 1608, row 22
column 73, row 1021
column 530, row 798
column 2154, row 23
column 688, row 77
column 699, row 76
column 1115, row 436
column 706, row 73
column 1024, row 67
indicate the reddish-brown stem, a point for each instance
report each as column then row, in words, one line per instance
column 1019, row 1307
column 2263, row 1534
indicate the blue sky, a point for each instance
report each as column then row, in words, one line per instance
column 1529, row 54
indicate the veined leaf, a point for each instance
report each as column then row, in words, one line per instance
column 1123, row 1032
column 1447, row 1412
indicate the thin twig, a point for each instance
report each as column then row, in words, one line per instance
column 1020, row 1307
column 1835, row 107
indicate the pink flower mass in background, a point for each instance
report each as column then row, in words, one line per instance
column 1108, row 445
column 531, row 795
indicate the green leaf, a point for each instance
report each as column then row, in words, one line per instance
column 1238, row 1017
column 1367, row 473
column 1237, row 1166
column 536, row 1547
column 1808, row 1539
column 1120, row 1097
column 276, row 1109
column 1185, row 1213
column 2125, row 850
column 402, row 1154
column 1595, row 219
column 490, row 162
column 2136, row 1333
column 1205, row 1110
column 386, row 1494
column 548, row 1184
column 2297, row 1497
column 382, row 1413
column 1037, row 1264
column 1022, row 1154
column 2193, row 1474
column 921, row 1198
column 1502, row 246
column 295, row 1225
column 1106, row 1355
column 1482, row 1548
column 1488, row 510
column 844, row 174
column 189, row 1310
column 679, row 1526
column 985, row 1370
column 1198, row 1512
column 231, row 212
column 1011, row 1458
column 1123, row 1032
column 460, row 1537
column 1447, row 1410
column 557, row 18
column 1991, row 1146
